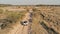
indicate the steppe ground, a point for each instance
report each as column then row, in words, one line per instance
column 45, row 19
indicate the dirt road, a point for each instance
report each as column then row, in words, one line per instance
column 20, row 29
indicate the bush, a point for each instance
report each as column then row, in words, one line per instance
column 14, row 16
column 1, row 11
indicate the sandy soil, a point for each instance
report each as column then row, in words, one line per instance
column 45, row 20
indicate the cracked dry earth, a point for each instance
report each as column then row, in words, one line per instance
column 45, row 20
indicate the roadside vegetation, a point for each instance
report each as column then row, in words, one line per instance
column 11, row 17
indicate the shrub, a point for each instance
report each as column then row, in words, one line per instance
column 1, row 11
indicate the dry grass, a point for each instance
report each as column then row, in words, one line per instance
column 45, row 19
column 9, row 19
